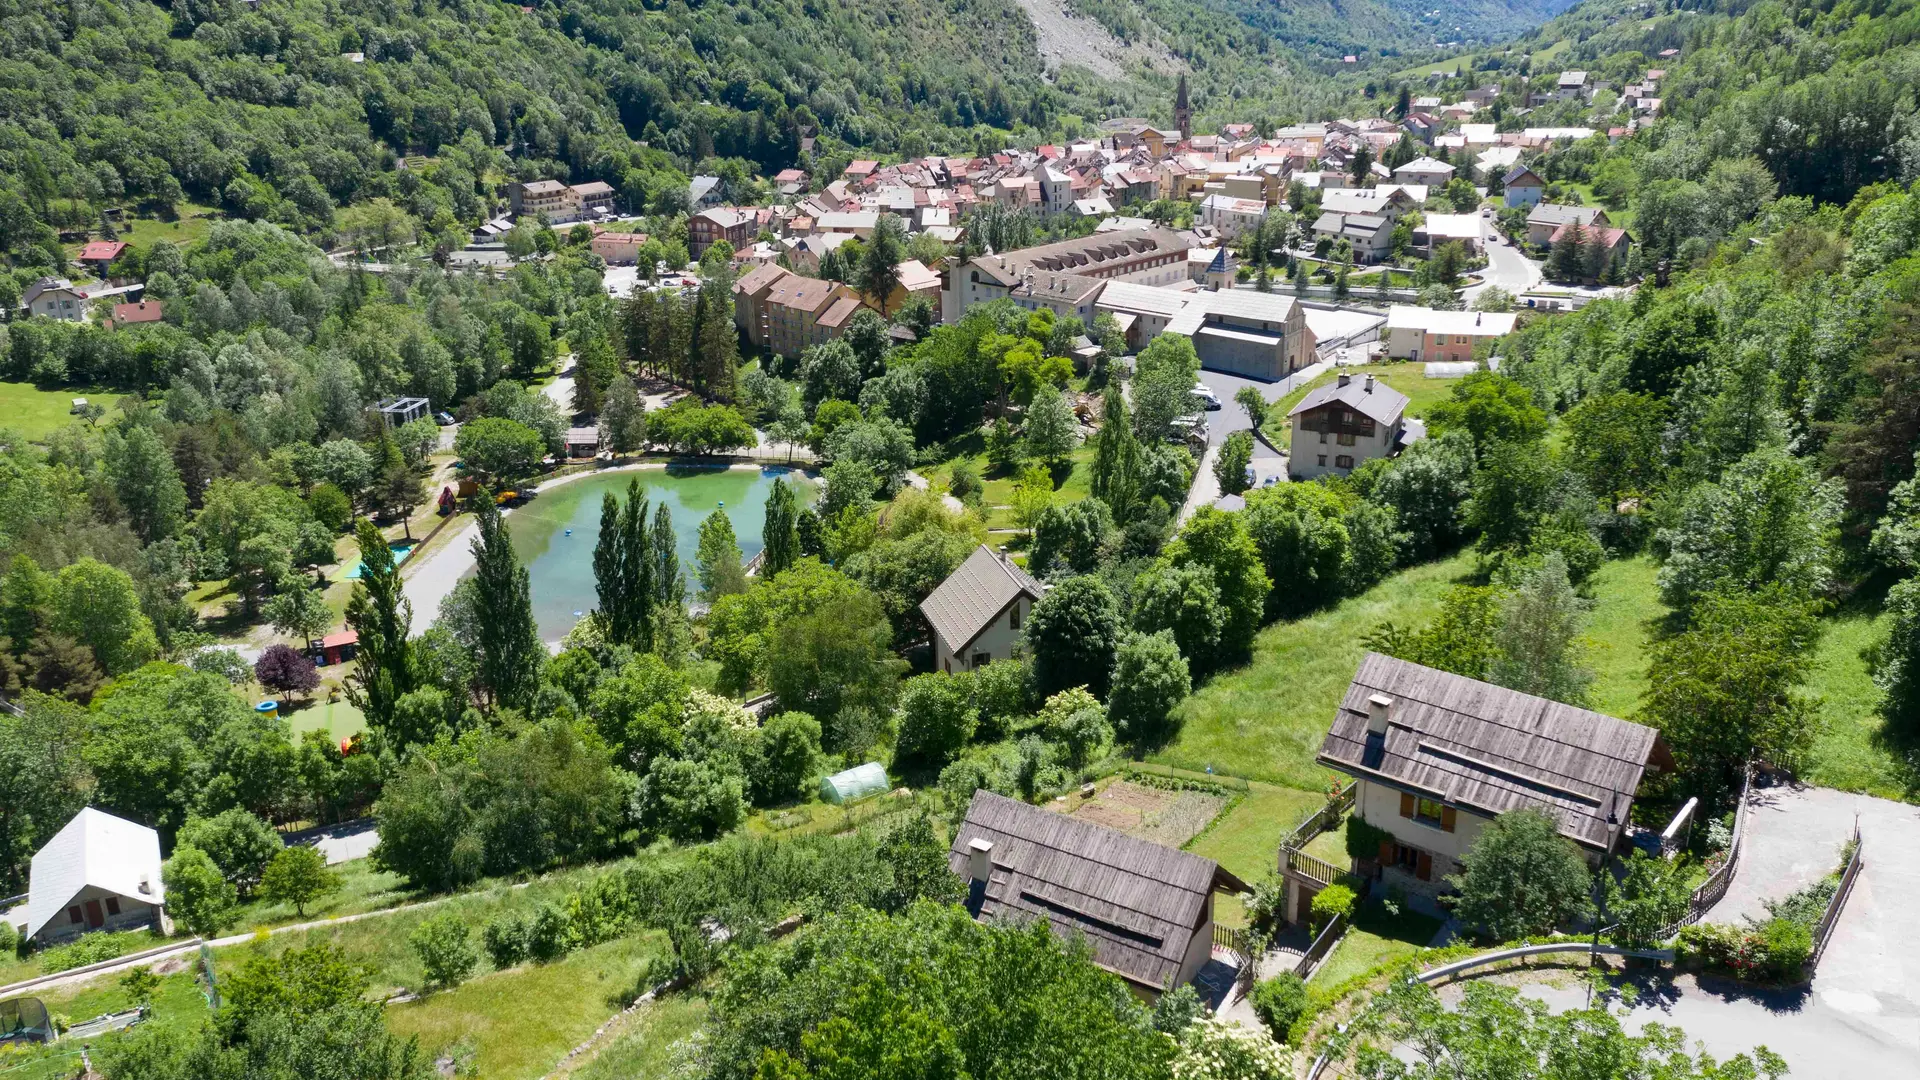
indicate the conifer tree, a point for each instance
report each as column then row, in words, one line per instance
column 381, row 615
column 1116, row 457
column 510, row 649
column 779, row 534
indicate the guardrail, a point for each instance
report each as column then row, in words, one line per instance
column 1715, row 887
column 1832, row 915
column 1322, row 945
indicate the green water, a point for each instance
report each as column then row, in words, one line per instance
column 561, row 565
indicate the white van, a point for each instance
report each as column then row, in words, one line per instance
column 1206, row 396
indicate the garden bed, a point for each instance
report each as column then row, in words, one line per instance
column 1154, row 814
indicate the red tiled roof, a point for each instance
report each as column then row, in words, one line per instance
column 102, row 251
column 143, row 312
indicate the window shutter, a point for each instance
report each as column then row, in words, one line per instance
column 1406, row 805
column 1446, row 819
column 1386, row 853
column 1424, row 871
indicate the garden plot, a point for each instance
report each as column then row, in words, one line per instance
column 1163, row 817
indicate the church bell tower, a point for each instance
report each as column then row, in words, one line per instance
column 1183, row 110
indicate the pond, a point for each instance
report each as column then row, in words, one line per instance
column 555, row 532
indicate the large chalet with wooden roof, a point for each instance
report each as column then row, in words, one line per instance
column 1438, row 755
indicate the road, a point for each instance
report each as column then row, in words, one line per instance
column 1229, row 418
column 1506, row 268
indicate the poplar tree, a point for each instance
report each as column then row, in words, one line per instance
column 670, row 589
column 779, row 535
column 1116, row 457
column 510, row 649
column 381, row 615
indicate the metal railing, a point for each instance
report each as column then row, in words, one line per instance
column 1711, row 890
column 1832, row 915
column 1322, row 945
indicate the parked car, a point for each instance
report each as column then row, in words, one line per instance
column 443, row 418
column 1206, row 395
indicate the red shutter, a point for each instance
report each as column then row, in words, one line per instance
column 1446, row 819
column 1424, row 870
column 1406, row 805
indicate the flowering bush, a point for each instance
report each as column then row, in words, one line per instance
column 1213, row 1049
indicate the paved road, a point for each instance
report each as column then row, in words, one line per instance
column 1793, row 838
column 1229, row 418
column 1506, row 268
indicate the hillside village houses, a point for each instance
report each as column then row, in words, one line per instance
column 1424, row 334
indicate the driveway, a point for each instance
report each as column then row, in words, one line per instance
column 1506, row 268
column 1229, row 418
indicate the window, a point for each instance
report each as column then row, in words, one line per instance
column 1323, row 460
column 1013, row 616
column 1426, row 810
column 1323, row 437
column 980, row 660
column 1406, row 858
column 113, row 905
column 1346, row 438
column 74, row 916
column 1345, row 461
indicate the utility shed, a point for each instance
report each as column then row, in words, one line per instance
column 1146, row 909
column 855, row 783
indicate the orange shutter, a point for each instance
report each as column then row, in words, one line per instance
column 1386, row 853
column 1406, row 805
column 1424, row 871
column 1446, row 819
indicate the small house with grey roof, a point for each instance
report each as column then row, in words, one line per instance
column 976, row 615
column 1346, row 422
column 1438, row 755
column 1145, row 909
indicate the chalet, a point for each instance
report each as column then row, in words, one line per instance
column 1523, row 186
column 1338, row 426
column 99, row 872
column 976, row 614
column 703, row 191
column 1573, row 85
column 1438, row 755
column 1145, row 910
column 1422, row 125
column 1417, row 333
column 57, row 298
column 98, row 255
column 1545, row 219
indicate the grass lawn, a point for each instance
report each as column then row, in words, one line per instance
column 647, row 1047
column 362, row 888
column 1265, row 721
column 338, row 718
column 998, row 497
column 1331, row 846
column 1849, row 752
column 1376, row 938
column 520, row 1022
column 191, row 226
column 1626, row 614
column 1247, row 840
column 1408, row 378
column 37, row 413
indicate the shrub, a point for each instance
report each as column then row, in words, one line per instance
column 1279, row 1001
column 198, row 897
column 298, row 875
column 1265, row 905
column 505, row 939
column 239, row 843
column 550, row 933
column 445, row 948
column 1331, row 903
column 1176, row 1009
column 1364, row 839
column 1784, row 947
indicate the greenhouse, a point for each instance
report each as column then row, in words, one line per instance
column 24, row 1020
column 855, row 783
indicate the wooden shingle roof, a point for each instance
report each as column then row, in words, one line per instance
column 1138, row 903
column 974, row 595
column 1490, row 749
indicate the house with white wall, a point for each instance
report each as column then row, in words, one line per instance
column 977, row 614
column 99, row 872
column 1437, row 756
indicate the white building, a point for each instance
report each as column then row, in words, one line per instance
column 1424, row 170
column 99, row 872
column 1345, row 423
column 977, row 614
column 1417, row 333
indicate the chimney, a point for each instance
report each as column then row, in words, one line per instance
column 1345, row 378
column 1379, row 708
column 1369, row 384
column 979, row 861
column 1477, row 316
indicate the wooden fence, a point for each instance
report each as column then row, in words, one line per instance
column 1322, row 945
column 1327, row 817
column 1832, row 915
column 1308, row 866
column 1715, row 887
column 1234, row 940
